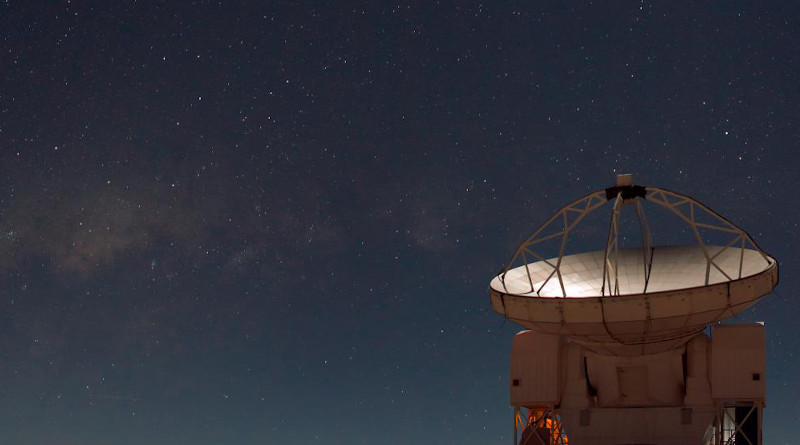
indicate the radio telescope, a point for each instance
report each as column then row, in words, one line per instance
column 625, row 344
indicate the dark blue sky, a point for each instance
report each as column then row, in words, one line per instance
column 277, row 223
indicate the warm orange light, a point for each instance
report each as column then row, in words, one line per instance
column 546, row 419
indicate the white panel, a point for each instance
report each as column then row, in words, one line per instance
column 633, row 387
column 573, row 377
column 649, row 380
column 738, row 362
column 534, row 369
column 698, row 388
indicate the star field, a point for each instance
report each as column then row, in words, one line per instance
column 275, row 222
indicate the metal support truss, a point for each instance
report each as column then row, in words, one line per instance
column 569, row 216
column 736, row 423
column 538, row 426
column 611, row 258
column 562, row 223
column 688, row 210
column 612, row 251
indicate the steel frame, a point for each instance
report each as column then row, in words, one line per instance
column 725, row 427
column 569, row 216
column 534, row 419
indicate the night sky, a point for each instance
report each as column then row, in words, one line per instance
column 276, row 222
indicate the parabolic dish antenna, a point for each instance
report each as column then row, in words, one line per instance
column 633, row 300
